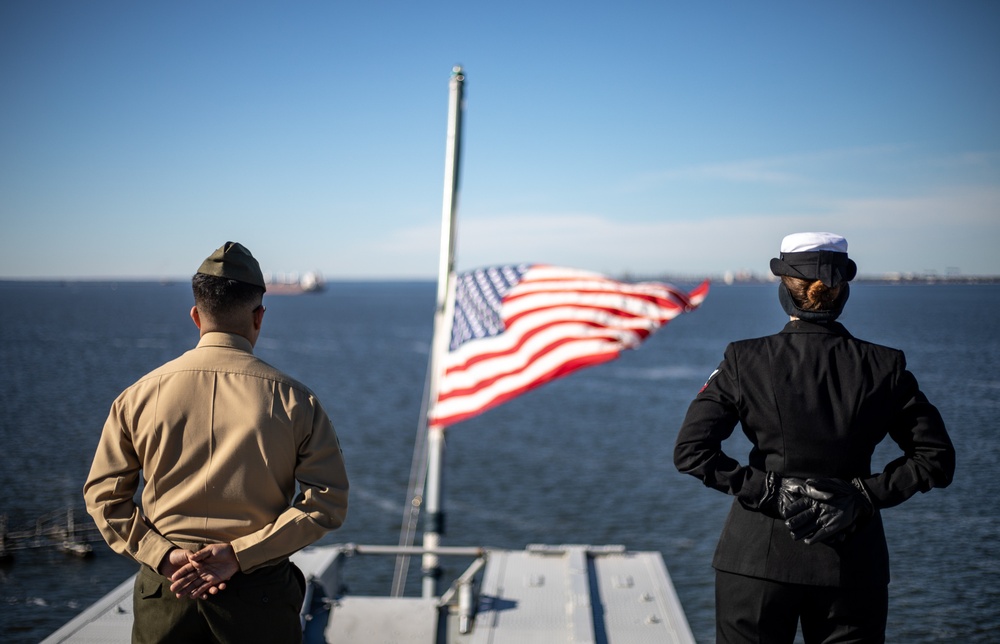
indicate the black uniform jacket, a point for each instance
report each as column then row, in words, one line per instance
column 814, row 402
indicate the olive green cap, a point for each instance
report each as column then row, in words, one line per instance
column 234, row 262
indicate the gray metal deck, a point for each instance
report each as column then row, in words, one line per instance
column 571, row 593
column 578, row 594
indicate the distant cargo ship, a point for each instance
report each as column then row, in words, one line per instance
column 292, row 284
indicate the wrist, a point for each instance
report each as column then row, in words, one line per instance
column 859, row 484
column 768, row 501
column 164, row 566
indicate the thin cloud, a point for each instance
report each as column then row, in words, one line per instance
column 777, row 170
column 940, row 231
column 750, row 171
column 950, row 208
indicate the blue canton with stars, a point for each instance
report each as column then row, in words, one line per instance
column 478, row 296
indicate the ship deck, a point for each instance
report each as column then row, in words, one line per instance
column 542, row 594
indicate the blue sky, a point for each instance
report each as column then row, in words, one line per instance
column 641, row 137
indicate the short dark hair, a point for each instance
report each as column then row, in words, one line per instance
column 223, row 299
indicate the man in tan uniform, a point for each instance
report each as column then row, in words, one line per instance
column 221, row 439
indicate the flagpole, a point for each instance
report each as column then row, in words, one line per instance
column 433, row 511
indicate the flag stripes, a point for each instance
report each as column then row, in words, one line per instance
column 518, row 327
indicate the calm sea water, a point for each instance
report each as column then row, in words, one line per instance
column 583, row 460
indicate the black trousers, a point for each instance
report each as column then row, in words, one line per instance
column 760, row 611
column 262, row 606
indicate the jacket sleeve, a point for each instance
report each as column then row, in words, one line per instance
column 110, row 494
column 319, row 507
column 928, row 459
column 710, row 420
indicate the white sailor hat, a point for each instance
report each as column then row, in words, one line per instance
column 815, row 256
column 806, row 242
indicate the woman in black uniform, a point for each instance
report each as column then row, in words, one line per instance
column 804, row 538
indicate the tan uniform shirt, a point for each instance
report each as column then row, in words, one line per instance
column 221, row 439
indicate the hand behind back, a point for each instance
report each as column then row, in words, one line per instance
column 834, row 508
column 205, row 572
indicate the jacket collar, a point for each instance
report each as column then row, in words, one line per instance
column 225, row 340
column 828, row 328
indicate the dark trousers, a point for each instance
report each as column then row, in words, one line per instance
column 262, row 606
column 759, row 611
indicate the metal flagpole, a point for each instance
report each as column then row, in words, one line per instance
column 434, row 513
column 414, row 495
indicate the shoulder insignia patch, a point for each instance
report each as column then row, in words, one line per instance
column 708, row 381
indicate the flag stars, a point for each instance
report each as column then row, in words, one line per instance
column 478, row 297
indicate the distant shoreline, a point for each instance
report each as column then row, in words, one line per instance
column 892, row 279
column 720, row 280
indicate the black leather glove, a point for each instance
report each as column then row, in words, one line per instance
column 782, row 497
column 835, row 507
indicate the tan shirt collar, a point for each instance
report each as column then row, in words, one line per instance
column 227, row 340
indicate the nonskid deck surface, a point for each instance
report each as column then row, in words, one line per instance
column 568, row 593
column 578, row 594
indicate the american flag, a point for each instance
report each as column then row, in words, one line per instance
column 518, row 327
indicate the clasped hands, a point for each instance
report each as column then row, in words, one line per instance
column 818, row 510
column 196, row 575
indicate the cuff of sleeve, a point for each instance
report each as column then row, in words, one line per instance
column 860, row 485
column 249, row 557
column 275, row 543
column 753, row 488
column 152, row 549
